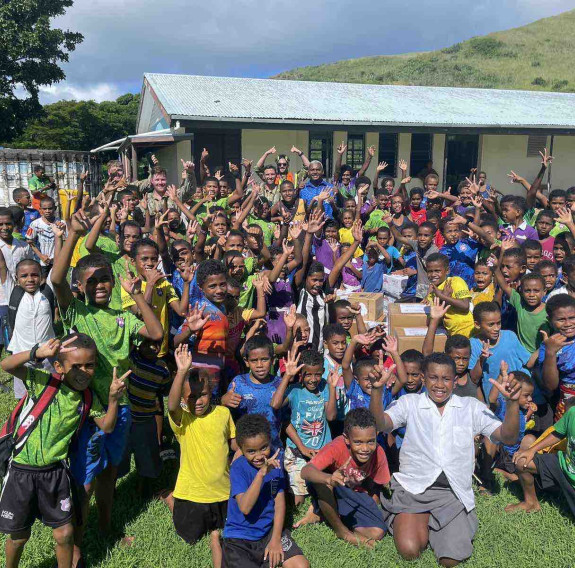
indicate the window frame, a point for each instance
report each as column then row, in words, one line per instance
column 355, row 157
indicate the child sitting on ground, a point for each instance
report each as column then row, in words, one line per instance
column 504, row 462
column 345, row 479
column 38, row 484
column 205, row 433
column 254, row 531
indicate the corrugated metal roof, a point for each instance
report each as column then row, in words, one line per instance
column 230, row 98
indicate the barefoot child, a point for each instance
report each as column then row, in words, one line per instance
column 432, row 501
column 254, row 533
column 345, row 479
column 37, row 484
column 205, row 433
column 312, row 404
column 553, row 470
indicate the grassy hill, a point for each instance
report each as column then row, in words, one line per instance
column 538, row 56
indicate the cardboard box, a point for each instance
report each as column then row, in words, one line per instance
column 371, row 304
column 407, row 315
column 412, row 338
column 394, row 285
column 369, row 325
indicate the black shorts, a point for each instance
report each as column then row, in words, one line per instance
column 551, row 476
column 31, row 493
column 240, row 553
column 504, row 461
column 194, row 520
column 143, row 443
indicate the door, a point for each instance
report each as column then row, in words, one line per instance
column 320, row 149
column 223, row 146
column 461, row 151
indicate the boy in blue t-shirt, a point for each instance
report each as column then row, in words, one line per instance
column 526, row 409
column 254, row 531
column 556, row 358
column 462, row 253
column 252, row 392
column 312, row 404
column 380, row 258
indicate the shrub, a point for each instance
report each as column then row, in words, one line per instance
column 539, row 81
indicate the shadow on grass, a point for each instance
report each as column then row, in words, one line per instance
column 128, row 506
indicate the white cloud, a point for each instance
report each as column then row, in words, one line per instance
column 254, row 38
column 67, row 91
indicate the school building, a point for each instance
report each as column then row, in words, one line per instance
column 455, row 128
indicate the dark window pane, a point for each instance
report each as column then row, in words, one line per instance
column 320, row 149
column 355, row 151
column 421, row 147
column 388, row 152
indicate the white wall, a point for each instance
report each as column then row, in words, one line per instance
column 563, row 167
column 256, row 142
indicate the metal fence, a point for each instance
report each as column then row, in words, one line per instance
column 64, row 167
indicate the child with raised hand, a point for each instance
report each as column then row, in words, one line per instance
column 37, row 484
column 312, row 404
column 505, row 453
column 252, row 392
column 553, row 470
column 461, row 252
column 458, row 347
column 254, row 531
column 453, row 291
column 557, row 352
column 357, row 381
column 345, row 479
column 115, row 333
column 334, row 347
column 531, row 312
column 205, row 433
column 432, row 501
column 513, row 209
column 157, row 290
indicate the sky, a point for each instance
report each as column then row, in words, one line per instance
column 123, row 39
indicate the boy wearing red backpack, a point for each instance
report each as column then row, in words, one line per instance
column 37, row 437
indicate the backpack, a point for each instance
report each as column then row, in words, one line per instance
column 16, row 297
column 30, row 411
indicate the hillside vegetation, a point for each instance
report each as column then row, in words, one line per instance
column 538, row 56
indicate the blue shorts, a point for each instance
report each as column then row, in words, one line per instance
column 355, row 509
column 95, row 450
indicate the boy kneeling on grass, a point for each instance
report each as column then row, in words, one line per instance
column 254, row 532
column 37, row 485
column 432, row 499
column 345, row 479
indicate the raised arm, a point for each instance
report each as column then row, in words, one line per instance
column 79, row 225
column 341, row 149
column 379, row 378
column 184, row 362
column 262, row 161
column 368, row 156
column 346, row 256
column 303, row 157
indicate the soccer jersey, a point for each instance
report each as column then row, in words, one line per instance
column 456, row 321
column 49, row 441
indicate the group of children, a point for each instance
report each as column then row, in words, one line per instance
column 230, row 297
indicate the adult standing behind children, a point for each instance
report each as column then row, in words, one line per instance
column 432, row 499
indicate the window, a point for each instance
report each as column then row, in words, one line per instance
column 388, row 152
column 320, row 149
column 355, row 151
column 535, row 144
column 421, row 145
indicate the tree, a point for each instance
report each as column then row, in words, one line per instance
column 30, row 57
column 80, row 125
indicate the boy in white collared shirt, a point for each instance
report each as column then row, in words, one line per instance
column 432, row 499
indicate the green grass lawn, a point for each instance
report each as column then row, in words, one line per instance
column 518, row 541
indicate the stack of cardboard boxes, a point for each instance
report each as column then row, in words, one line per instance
column 408, row 322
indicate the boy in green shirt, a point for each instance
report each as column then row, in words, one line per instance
column 553, row 470
column 115, row 333
column 37, row 484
